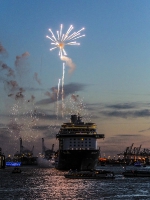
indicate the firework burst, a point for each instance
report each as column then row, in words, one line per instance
column 61, row 40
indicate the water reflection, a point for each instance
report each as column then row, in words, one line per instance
column 41, row 183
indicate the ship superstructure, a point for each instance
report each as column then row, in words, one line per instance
column 78, row 145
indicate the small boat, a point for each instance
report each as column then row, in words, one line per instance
column 95, row 174
column 16, row 170
column 136, row 173
column 137, row 164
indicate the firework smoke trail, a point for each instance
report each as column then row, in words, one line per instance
column 61, row 40
column 69, row 63
column 58, row 96
column 63, row 76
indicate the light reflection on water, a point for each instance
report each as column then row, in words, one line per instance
column 42, row 183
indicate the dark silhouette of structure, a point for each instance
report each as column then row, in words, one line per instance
column 46, row 152
column 25, row 155
column 2, row 160
column 135, row 153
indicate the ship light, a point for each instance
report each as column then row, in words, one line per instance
column 82, row 138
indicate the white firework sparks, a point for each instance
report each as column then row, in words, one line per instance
column 58, row 97
column 58, row 89
column 63, row 76
column 61, row 40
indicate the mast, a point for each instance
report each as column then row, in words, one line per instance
column 21, row 147
column 43, row 147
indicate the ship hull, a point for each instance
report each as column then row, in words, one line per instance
column 77, row 159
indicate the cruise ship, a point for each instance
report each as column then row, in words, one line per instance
column 77, row 145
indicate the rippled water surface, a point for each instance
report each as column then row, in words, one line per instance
column 41, row 183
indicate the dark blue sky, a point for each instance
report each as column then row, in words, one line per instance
column 112, row 63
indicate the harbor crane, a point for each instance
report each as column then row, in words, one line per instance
column 135, row 153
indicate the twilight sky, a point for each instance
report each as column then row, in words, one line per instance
column 110, row 82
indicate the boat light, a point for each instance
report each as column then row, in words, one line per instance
column 13, row 164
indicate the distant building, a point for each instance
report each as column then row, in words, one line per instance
column 25, row 156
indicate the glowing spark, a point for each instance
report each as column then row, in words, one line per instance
column 63, row 88
column 61, row 40
column 58, row 96
column 58, row 88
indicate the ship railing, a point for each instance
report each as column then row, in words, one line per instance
column 79, row 133
column 82, row 149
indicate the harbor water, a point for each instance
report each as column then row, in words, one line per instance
column 48, row 183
